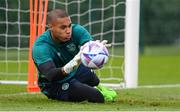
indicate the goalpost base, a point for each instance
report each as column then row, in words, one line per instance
column 13, row 82
column 114, row 86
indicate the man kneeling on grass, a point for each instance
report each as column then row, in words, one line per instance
column 56, row 54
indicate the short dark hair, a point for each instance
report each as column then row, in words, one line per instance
column 56, row 13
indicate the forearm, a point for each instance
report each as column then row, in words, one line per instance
column 50, row 71
column 55, row 74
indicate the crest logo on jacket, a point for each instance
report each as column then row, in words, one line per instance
column 71, row 47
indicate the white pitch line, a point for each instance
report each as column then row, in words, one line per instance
column 122, row 86
column 160, row 86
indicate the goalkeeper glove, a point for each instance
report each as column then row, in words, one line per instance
column 71, row 65
column 104, row 42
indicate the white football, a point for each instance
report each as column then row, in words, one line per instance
column 94, row 55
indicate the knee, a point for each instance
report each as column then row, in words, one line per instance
column 96, row 81
column 98, row 98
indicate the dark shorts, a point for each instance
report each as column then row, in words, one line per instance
column 79, row 88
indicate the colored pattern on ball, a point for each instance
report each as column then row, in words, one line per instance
column 94, row 55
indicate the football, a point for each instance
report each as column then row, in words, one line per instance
column 94, row 55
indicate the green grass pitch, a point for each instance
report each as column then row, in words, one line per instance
column 12, row 99
column 153, row 70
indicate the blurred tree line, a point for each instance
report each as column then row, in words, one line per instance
column 160, row 21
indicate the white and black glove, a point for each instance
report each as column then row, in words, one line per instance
column 74, row 63
column 104, row 42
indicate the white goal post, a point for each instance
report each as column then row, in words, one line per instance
column 132, row 43
column 131, row 56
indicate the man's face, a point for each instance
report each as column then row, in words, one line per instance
column 61, row 29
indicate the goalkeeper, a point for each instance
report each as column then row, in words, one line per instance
column 56, row 54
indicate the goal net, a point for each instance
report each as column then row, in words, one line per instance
column 104, row 19
column 14, row 40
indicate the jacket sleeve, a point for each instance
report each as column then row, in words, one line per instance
column 49, row 70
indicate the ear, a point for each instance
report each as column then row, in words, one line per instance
column 50, row 26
